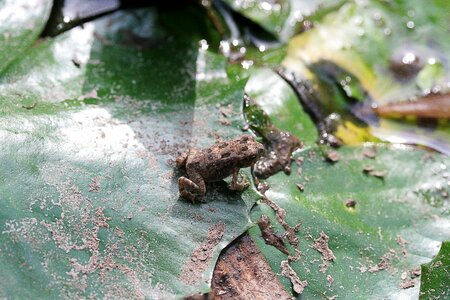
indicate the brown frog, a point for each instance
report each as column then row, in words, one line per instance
column 216, row 163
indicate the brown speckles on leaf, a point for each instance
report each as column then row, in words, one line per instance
column 402, row 243
column 269, row 236
column 369, row 152
column 94, row 187
column 385, row 262
column 333, row 156
column 199, row 260
column 297, row 284
column 330, row 280
column 321, row 245
column 350, row 203
column 406, row 284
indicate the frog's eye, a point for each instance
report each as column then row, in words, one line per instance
column 244, row 148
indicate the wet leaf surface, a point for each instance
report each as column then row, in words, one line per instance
column 436, row 274
column 90, row 204
column 21, row 22
column 92, row 120
column 360, row 246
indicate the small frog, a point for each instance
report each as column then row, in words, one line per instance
column 216, row 163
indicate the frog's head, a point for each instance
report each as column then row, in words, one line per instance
column 249, row 151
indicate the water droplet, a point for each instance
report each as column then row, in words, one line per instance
column 361, row 32
column 410, row 25
column 443, row 167
column 376, row 16
column 436, row 89
column 246, row 64
column 203, row 45
column 262, row 48
column 66, row 19
column 298, row 16
column 224, row 47
column 411, row 13
column 409, row 58
column 432, row 60
column 387, row 31
column 358, row 20
column 265, row 5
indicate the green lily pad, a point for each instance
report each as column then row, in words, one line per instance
column 379, row 223
column 21, row 22
column 436, row 275
column 90, row 204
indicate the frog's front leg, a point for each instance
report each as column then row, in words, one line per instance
column 235, row 185
column 192, row 189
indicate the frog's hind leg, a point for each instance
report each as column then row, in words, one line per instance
column 235, row 185
column 192, row 189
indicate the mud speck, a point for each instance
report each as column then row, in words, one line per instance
column 269, row 236
column 368, row 168
column 321, row 245
column 297, row 284
column 301, row 187
column 280, row 213
column 385, row 262
column 406, row 284
column 378, row 174
column 350, row 203
column 370, row 152
column 333, row 156
column 94, row 186
column 402, row 243
column 330, row 280
column 199, row 260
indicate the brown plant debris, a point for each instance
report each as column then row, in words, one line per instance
column 406, row 284
column 297, row 285
column 330, row 280
column 385, row 262
column 95, row 185
column 243, row 273
column 301, row 187
column 333, row 156
column 368, row 168
column 350, row 203
column 199, row 260
column 299, row 162
column 280, row 213
column 321, row 245
column 269, row 236
column 370, row 152
column 402, row 243
column 415, row 272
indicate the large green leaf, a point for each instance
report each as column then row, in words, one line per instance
column 407, row 205
column 436, row 275
column 91, row 124
column 21, row 21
